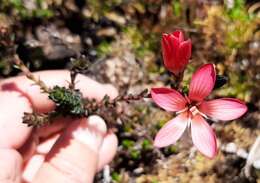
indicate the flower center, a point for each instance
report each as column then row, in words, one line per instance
column 192, row 107
column 194, row 110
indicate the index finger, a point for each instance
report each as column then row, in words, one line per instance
column 40, row 101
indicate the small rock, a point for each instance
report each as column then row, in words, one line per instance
column 230, row 4
column 138, row 170
column 242, row 153
column 256, row 164
column 163, row 12
column 231, row 148
column 107, row 32
column 116, row 18
column 30, row 4
column 58, row 43
column 88, row 41
column 254, row 45
column 253, row 157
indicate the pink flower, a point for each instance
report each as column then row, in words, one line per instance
column 192, row 108
column 176, row 51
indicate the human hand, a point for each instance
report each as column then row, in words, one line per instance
column 69, row 150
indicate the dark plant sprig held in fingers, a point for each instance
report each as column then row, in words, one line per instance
column 69, row 101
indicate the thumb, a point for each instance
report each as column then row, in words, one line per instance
column 74, row 157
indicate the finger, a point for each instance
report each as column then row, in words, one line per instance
column 46, row 146
column 36, row 159
column 41, row 137
column 16, row 92
column 32, row 166
column 107, row 151
column 106, row 154
column 13, row 132
column 10, row 166
column 74, row 157
column 40, row 101
column 56, row 126
column 28, row 148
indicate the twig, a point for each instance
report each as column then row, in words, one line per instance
column 29, row 75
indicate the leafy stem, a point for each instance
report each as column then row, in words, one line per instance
column 20, row 65
column 69, row 101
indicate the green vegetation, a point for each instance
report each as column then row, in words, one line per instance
column 233, row 27
column 38, row 9
column 69, row 102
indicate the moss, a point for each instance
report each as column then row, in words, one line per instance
column 176, row 7
column 116, row 177
column 239, row 87
column 98, row 8
column 127, row 144
column 142, row 44
column 104, row 48
column 146, row 144
column 22, row 12
column 135, row 154
column 231, row 28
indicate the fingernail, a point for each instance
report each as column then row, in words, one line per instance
column 91, row 132
column 32, row 166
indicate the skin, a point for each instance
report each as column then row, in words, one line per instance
column 69, row 150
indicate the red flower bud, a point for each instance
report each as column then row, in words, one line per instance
column 176, row 51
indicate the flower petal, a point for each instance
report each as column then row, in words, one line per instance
column 179, row 35
column 224, row 109
column 175, row 44
column 167, row 51
column 176, row 52
column 171, row 131
column 185, row 50
column 168, row 99
column 203, row 137
column 202, row 82
column 184, row 53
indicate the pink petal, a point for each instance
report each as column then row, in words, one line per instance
column 167, row 52
column 174, row 43
column 171, row 131
column 179, row 35
column 203, row 137
column 176, row 51
column 202, row 82
column 184, row 54
column 168, row 99
column 224, row 109
column 185, row 50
